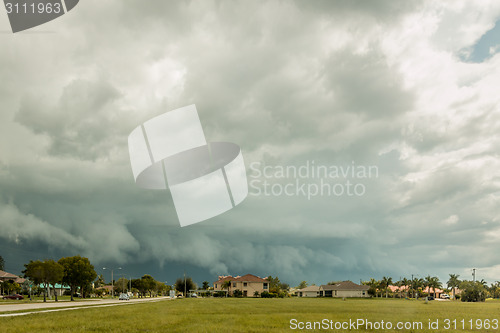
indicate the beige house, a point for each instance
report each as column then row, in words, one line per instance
column 248, row 284
column 344, row 289
column 311, row 291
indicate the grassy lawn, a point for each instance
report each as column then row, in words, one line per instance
column 253, row 315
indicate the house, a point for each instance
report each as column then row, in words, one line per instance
column 311, row 291
column 344, row 289
column 5, row 276
column 248, row 284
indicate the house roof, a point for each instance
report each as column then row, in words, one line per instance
column 244, row 278
column 344, row 285
column 310, row 288
column 7, row 276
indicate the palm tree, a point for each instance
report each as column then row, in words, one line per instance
column 386, row 282
column 406, row 283
column 226, row 285
column 374, row 284
column 416, row 284
column 453, row 282
column 427, row 283
column 435, row 283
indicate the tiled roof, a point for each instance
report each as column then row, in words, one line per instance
column 345, row 285
column 5, row 275
column 244, row 278
column 310, row 288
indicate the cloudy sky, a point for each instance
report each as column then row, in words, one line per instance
column 409, row 87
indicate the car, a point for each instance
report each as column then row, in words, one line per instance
column 193, row 295
column 445, row 296
column 430, row 298
column 124, row 297
column 15, row 296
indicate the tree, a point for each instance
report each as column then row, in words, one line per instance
column 406, row 284
column 121, row 285
column 226, row 285
column 385, row 283
column 182, row 284
column 149, row 284
column 99, row 282
column 416, row 284
column 54, row 273
column 140, row 286
column 206, row 285
column 2, row 264
column 373, row 284
column 35, row 271
column 302, row 285
column 78, row 272
column 434, row 283
column 274, row 284
column 472, row 291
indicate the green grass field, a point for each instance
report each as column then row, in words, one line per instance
column 257, row 315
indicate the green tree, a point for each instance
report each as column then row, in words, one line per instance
column 2, row 264
column 434, row 283
column 274, row 284
column 35, row 271
column 99, row 282
column 226, row 285
column 78, row 272
column 149, row 284
column 472, row 291
column 302, row 285
column 54, row 273
column 385, row 283
column 374, row 286
column 121, row 286
column 184, row 284
column 140, row 286
column 206, row 285
column 405, row 284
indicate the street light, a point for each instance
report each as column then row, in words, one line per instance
column 112, row 283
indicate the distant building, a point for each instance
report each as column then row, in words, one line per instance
column 311, row 291
column 5, row 276
column 344, row 289
column 248, row 284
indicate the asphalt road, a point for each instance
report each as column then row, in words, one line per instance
column 65, row 306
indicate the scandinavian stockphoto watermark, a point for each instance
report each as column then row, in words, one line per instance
column 205, row 179
column 310, row 179
column 26, row 14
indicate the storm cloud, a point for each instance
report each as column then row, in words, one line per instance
column 378, row 83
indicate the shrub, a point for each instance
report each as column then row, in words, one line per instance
column 237, row 293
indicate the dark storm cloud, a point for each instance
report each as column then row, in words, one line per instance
column 336, row 82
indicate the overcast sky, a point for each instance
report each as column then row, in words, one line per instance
column 410, row 87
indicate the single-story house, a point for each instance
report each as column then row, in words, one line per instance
column 248, row 284
column 311, row 291
column 59, row 288
column 344, row 289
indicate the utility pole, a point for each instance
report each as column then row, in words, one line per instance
column 185, row 295
column 112, row 282
column 474, row 275
column 412, row 290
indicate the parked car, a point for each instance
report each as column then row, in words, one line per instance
column 193, row 295
column 430, row 298
column 124, row 297
column 445, row 296
column 15, row 296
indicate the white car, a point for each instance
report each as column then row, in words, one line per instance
column 445, row 296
